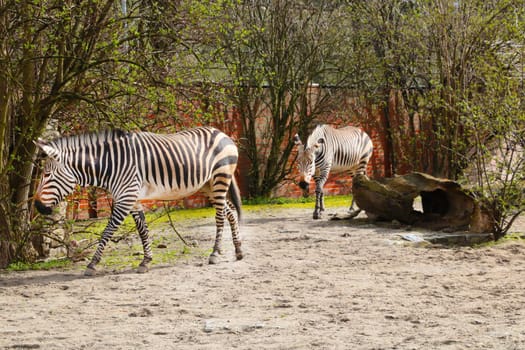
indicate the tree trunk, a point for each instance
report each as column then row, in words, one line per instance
column 7, row 245
column 14, row 231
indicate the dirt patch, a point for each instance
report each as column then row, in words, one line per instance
column 303, row 284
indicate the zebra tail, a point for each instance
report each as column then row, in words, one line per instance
column 235, row 196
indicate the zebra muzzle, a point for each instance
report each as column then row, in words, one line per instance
column 303, row 185
column 42, row 209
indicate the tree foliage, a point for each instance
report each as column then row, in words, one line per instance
column 59, row 58
column 459, row 68
column 430, row 52
column 275, row 55
column 455, row 66
column 46, row 51
column 495, row 124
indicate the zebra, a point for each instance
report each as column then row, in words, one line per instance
column 141, row 165
column 333, row 150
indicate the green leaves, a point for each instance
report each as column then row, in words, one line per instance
column 494, row 119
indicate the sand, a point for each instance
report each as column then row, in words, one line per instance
column 303, row 284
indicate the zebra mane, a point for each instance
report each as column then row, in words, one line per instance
column 315, row 135
column 79, row 141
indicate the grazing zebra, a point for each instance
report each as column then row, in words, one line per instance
column 143, row 165
column 331, row 150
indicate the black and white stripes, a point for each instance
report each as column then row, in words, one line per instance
column 330, row 150
column 135, row 166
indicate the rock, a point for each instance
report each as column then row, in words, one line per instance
column 142, row 313
column 229, row 326
column 208, row 326
column 412, row 238
column 445, row 205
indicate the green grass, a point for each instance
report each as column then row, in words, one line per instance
column 124, row 255
column 509, row 237
column 42, row 265
column 297, row 203
column 121, row 256
column 278, row 200
column 160, row 217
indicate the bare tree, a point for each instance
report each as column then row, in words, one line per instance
column 276, row 53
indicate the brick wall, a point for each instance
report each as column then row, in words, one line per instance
column 350, row 111
column 341, row 184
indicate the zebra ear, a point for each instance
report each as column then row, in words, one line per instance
column 49, row 150
column 297, row 140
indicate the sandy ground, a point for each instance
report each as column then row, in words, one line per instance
column 303, row 284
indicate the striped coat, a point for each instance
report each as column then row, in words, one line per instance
column 329, row 150
column 143, row 165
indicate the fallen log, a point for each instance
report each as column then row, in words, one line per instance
column 445, row 204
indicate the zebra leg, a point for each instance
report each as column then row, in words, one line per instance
column 140, row 222
column 231, row 214
column 120, row 211
column 219, row 223
column 318, row 201
column 106, row 236
column 319, row 197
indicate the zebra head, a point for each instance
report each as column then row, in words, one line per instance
column 57, row 179
column 306, row 162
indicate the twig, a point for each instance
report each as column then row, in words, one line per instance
column 173, row 226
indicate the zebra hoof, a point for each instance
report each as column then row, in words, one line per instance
column 142, row 269
column 317, row 216
column 90, row 272
column 353, row 213
column 239, row 256
column 214, row 259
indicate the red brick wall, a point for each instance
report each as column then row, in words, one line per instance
column 370, row 120
column 350, row 112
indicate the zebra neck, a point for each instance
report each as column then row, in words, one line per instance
column 92, row 171
column 320, row 154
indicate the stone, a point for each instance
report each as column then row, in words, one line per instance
column 445, row 204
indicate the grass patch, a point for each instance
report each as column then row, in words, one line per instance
column 296, row 203
column 161, row 216
column 279, row 200
column 510, row 237
column 128, row 251
column 118, row 260
column 94, row 227
column 121, row 257
column 41, row 265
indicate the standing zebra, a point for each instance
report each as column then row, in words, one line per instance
column 143, row 165
column 332, row 150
